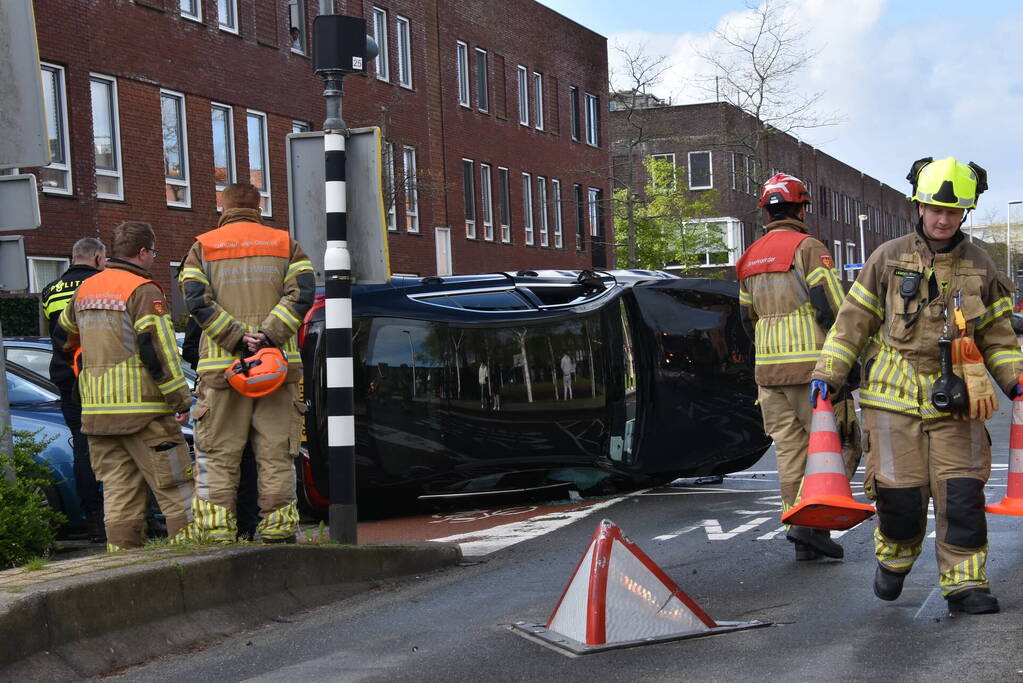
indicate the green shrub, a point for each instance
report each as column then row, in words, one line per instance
column 27, row 523
column 19, row 315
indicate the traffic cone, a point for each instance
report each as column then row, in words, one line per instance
column 826, row 501
column 1012, row 504
column 619, row 597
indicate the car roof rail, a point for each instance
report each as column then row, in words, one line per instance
column 433, row 280
column 526, row 273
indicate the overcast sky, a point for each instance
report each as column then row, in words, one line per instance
column 910, row 79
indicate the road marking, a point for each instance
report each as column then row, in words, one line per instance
column 714, row 530
column 931, row 595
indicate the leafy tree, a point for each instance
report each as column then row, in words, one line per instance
column 27, row 524
column 667, row 221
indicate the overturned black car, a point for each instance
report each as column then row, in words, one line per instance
column 521, row 380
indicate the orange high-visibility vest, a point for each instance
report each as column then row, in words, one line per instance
column 109, row 289
column 238, row 240
column 772, row 253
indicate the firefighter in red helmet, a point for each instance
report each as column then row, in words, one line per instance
column 789, row 295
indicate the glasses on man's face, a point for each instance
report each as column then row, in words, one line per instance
column 151, row 251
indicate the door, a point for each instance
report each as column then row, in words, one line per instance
column 443, row 241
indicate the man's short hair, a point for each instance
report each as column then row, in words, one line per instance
column 783, row 210
column 131, row 236
column 86, row 249
column 240, row 196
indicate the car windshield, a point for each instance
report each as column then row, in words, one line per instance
column 22, row 392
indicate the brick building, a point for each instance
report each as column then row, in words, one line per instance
column 491, row 112
column 711, row 143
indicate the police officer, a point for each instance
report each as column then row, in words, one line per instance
column 88, row 257
column 788, row 295
column 247, row 285
column 131, row 386
column 931, row 311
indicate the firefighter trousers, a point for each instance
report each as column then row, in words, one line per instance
column 156, row 456
column 224, row 422
column 911, row 461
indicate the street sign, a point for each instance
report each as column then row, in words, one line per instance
column 24, row 141
column 19, row 202
column 367, row 227
column 13, row 266
column 853, row 266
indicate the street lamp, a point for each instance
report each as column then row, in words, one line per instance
column 412, row 357
column 863, row 245
column 1008, row 238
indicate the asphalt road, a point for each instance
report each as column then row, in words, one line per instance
column 720, row 543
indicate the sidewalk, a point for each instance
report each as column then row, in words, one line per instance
column 87, row 616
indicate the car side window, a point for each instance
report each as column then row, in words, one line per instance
column 481, row 301
column 22, row 392
column 36, row 360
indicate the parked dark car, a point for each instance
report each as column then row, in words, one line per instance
column 485, row 383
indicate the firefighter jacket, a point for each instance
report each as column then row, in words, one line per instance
column 131, row 372
column 896, row 311
column 54, row 299
column 246, row 277
column 789, row 295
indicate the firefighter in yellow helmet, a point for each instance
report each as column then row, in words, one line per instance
column 930, row 313
column 248, row 286
column 788, row 296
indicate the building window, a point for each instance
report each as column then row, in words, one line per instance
column 296, row 29
column 482, row 81
column 56, row 178
column 487, row 199
column 387, row 183
column 729, row 231
column 580, row 218
column 192, row 9
column 541, row 193
column 850, row 257
column 670, row 158
column 527, row 207
column 42, row 270
column 538, row 100
column 223, row 149
column 300, row 127
column 809, row 188
column 504, row 204
column 411, row 190
column 556, row 200
column 523, row 95
column 700, row 176
column 381, row 64
column 594, row 211
column 106, row 138
column 227, row 15
column 462, row 63
column 259, row 157
column 403, row 35
column 469, row 198
column 175, row 148
column 573, row 102
column 838, row 256
column 592, row 121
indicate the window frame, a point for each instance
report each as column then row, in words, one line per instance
column 559, row 238
column 522, row 76
column 403, row 39
column 542, row 206
column 487, row 201
column 710, row 169
column 482, row 80
column 388, row 186
column 232, row 164
column 381, row 63
column 839, row 255
column 185, row 180
column 300, row 25
column 469, row 197
column 267, row 209
column 299, row 126
column 462, row 74
column 674, row 174
column 115, row 134
column 410, row 188
column 538, row 113
column 36, row 287
column 593, row 197
column 592, row 118
column 504, row 203
column 191, row 16
column 580, row 216
column 527, row 208
column 232, row 5
column 850, row 275
column 63, row 167
column 573, row 100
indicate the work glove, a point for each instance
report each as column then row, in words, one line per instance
column 818, row 386
column 969, row 364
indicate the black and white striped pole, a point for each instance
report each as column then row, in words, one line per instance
column 340, row 46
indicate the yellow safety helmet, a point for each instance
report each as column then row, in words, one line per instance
column 947, row 182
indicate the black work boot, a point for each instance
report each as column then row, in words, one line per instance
column 804, row 552
column 973, row 601
column 888, row 584
column 819, row 540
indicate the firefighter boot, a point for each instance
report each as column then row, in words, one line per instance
column 973, row 601
column 887, row 584
column 804, row 552
column 818, row 540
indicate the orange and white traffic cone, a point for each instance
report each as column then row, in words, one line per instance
column 1012, row 504
column 826, row 501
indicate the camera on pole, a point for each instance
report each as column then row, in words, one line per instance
column 340, row 47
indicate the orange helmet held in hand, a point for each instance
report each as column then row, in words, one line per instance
column 259, row 374
column 76, row 361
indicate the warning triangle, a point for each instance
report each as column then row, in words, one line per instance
column 619, row 597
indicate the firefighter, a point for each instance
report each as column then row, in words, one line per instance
column 248, row 286
column 930, row 311
column 88, row 257
column 789, row 295
column 133, row 392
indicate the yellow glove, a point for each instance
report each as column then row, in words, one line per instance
column 980, row 392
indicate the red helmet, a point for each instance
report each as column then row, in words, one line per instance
column 259, row 374
column 783, row 187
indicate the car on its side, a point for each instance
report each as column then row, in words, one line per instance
column 506, row 381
